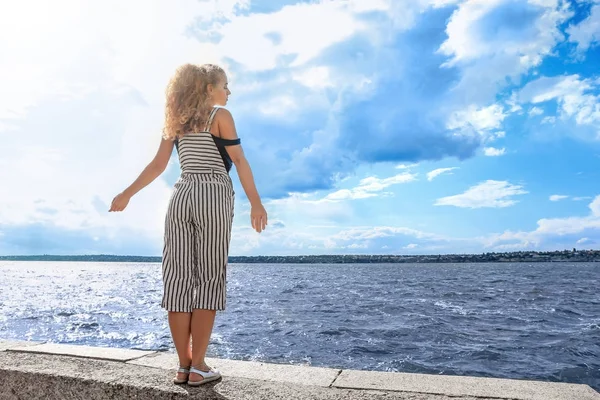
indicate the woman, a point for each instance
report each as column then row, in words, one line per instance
column 200, row 212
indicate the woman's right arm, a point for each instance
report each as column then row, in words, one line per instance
column 226, row 130
column 149, row 174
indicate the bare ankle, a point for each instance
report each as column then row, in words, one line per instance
column 185, row 363
column 201, row 366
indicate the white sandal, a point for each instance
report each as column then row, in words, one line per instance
column 183, row 371
column 209, row 376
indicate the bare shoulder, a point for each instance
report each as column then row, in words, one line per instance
column 223, row 115
column 225, row 124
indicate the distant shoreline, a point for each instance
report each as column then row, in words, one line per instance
column 520, row 256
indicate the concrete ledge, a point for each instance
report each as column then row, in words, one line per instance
column 100, row 353
column 512, row 389
column 9, row 344
column 301, row 375
column 83, row 372
column 37, row 375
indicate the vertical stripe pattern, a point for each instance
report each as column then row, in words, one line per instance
column 198, row 228
column 198, row 152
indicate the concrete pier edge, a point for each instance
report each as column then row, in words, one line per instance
column 74, row 371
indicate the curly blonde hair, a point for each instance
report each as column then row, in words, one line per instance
column 188, row 104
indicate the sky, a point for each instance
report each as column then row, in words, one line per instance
column 371, row 126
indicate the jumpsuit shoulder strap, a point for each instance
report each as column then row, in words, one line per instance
column 210, row 119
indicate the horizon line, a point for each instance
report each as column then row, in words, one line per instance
column 311, row 255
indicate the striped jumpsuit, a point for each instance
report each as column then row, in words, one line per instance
column 198, row 224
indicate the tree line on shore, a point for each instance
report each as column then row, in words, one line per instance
column 573, row 255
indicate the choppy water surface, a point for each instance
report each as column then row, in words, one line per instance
column 524, row 321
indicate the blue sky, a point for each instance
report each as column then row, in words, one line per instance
column 372, row 126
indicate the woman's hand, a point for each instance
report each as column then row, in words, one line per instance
column 119, row 202
column 258, row 218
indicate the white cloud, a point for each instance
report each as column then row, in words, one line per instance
column 278, row 239
column 494, row 152
column 336, row 240
column 573, row 94
column 494, row 194
column 368, row 187
column 368, row 233
column 354, row 246
column 406, row 166
column 595, row 207
column 549, row 88
column 284, row 33
column 482, row 120
column 316, row 210
column 226, row 9
column 394, row 240
column 497, row 39
column 550, row 234
column 512, row 102
column 535, row 111
column 551, row 229
column 437, row 172
column 404, row 14
column 314, row 78
column 278, row 106
column 587, row 33
column 579, row 198
column 464, row 42
column 558, row 197
column 349, row 194
column 561, row 227
column 374, row 184
column 371, row 5
column 461, row 43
